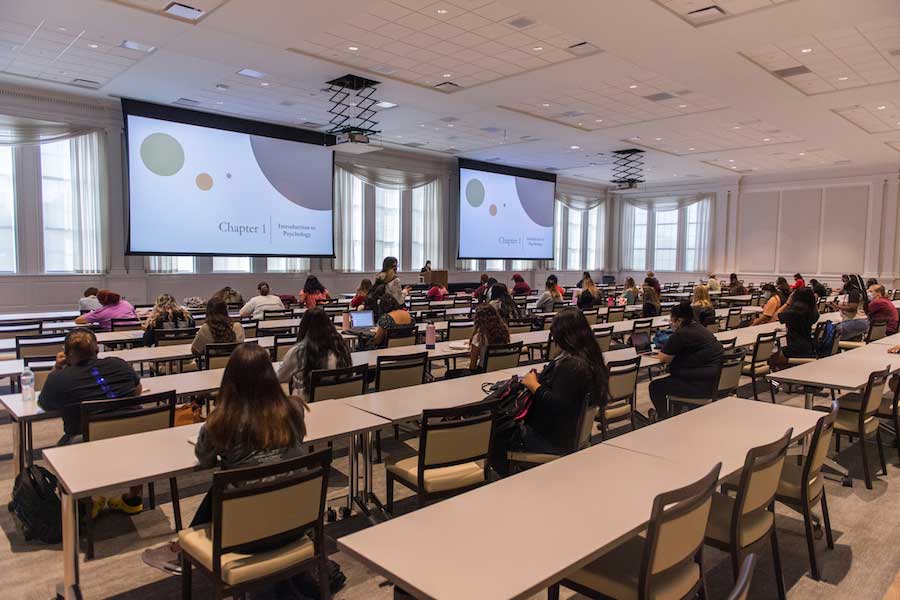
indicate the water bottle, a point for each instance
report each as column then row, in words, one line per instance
column 345, row 321
column 610, row 302
column 27, row 382
column 430, row 334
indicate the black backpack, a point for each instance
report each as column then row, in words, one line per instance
column 514, row 400
column 35, row 505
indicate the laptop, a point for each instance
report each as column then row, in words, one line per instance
column 641, row 343
column 362, row 322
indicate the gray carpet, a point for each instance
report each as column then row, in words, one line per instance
column 862, row 565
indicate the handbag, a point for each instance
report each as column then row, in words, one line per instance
column 514, row 401
column 188, row 414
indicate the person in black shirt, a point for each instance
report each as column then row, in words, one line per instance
column 799, row 316
column 694, row 356
column 820, row 290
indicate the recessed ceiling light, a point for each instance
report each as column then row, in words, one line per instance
column 580, row 124
column 843, row 78
column 882, row 107
column 450, row 125
column 632, row 87
column 94, row 46
column 691, row 149
column 251, row 73
column 801, row 154
column 734, row 167
column 183, row 11
column 352, row 103
column 219, row 102
column 352, row 48
column 658, row 139
column 736, row 127
column 264, row 83
column 730, row 160
column 806, row 50
column 538, row 48
column 447, row 75
column 574, row 147
column 385, row 104
column 442, row 11
column 767, row 139
column 61, row 29
column 598, row 120
column 682, row 106
column 137, row 46
column 421, row 124
column 635, row 137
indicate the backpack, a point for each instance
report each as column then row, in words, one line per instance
column 825, row 338
column 35, row 505
column 514, row 402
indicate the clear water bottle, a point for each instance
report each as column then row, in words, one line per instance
column 27, row 381
column 430, row 335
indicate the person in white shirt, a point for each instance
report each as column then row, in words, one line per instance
column 89, row 302
column 713, row 284
column 257, row 305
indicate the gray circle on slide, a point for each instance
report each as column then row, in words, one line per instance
column 475, row 193
column 277, row 159
column 534, row 201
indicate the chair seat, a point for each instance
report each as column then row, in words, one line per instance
column 442, row 479
column 852, row 402
column 847, row 422
column 790, row 484
column 615, row 574
column 759, row 368
column 239, row 568
column 755, row 525
column 691, row 401
column 616, row 411
column 531, row 457
column 850, row 345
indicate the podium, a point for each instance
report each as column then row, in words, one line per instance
column 435, row 277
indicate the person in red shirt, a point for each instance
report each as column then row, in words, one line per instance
column 313, row 292
column 798, row 282
column 880, row 309
column 360, row 298
column 437, row 292
column 555, row 281
column 481, row 291
column 521, row 287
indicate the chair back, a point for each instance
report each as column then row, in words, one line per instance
column 460, row 330
column 502, row 356
column 328, row 384
column 713, row 327
column 127, row 324
column 585, row 426
column 404, row 335
column 457, row 435
column 262, row 503
column 590, row 316
column 250, row 328
column 174, row 337
column 756, row 299
column 623, row 376
column 268, row 315
column 519, row 326
column 41, row 369
column 759, row 480
column 675, row 535
column 603, row 335
column 215, row 356
column 871, row 398
column 741, row 589
column 462, row 302
column 615, row 314
column 734, row 318
column 642, row 326
column 730, row 374
column 812, row 480
column 104, row 419
column 822, row 305
column 877, row 330
column 399, row 371
column 8, row 332
column 282, row 344
column 764, row 347
column 553, row 349
column 729, row 344
column 39, row 346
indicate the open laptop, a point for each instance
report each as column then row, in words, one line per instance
column 641, row 343
column 362, row 322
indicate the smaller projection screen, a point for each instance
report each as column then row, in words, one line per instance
column 505, row 212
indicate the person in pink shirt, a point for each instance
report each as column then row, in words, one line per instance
column 437, row 292
column 313, row 292
column 111, row 307
column 521, row 287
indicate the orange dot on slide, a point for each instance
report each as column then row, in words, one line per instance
column 204, row 181
column 493, row 210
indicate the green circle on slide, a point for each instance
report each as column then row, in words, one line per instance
column 162, row 154
column 475, row 193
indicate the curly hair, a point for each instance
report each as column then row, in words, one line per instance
column 166, row 304
column 490, row 326
column 219, row 322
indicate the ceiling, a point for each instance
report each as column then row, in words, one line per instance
column 741, row 86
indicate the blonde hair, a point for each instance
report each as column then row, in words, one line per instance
column 587, row 285
column 701, row 297
column 651, row 296
column 165, row 304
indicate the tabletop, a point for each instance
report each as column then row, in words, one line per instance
column 845, row 371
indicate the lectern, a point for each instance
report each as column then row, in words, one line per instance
column 432, row 277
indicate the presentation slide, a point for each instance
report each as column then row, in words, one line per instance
column 201, row 190
column 505, row 216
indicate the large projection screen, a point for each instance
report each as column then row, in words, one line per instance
column 504, row 212
column 204, row 184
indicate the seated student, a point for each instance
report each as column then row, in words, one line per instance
column 735, row 287
column 559, row 288
column 79, row 376
column 481, row 291
column 704, row 313
column 499, row 298
column 427, row 267
column 391, row 314
column 254, row 423
column 229, row 295
column 631, row 294
column 879, row 308
column 490, row 330
column 652, row 306
column 218, row 328
column 653, row 282
column 437, row 292
column 319, row 346
column 89, row 300
column 854, row 323
column 551, row 296
column 713, row 284
column 798, row 282
column 361, row 292
column 520, row 287
column 112, row 307
column 870, row 282
column 774, row 299
column 576, row 378
column 783, row 288
column 584, row 275
column 590, row 295
column 799, row 315
column 851, row 281
column 817, row 288
column 694, row 356
column 258, row 305
column 313, row 292
column 166, row 314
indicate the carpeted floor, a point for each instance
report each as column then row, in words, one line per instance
column 862, row 566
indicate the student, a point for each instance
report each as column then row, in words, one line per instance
column 631, row 294
column 550, row 296
column 783, row 288
column 870, row 282
column 427, row 267
column 313, row 292
column 735, row 287
column 319, row 346
column 490, row 330
column 590, row 295
column 218, row 328
column 853, row 281
column 499, row 298
column 437, row 292
column 576, row 378
column 481, row 291
column 254, row 423
column 365, row 286
column 112, row 307
column 388, row 277
column 652, row 306
column 854, row 323
column 774, row 299
column 704, row 313
column 880, row 309
column 584, row 275
column 559, row 289
column 258, row 305
column 229, row 295
column 166, row 314
column 391, row 315
column 78, row 376
column 520, row 287
column 818, row 288
column 713, row 284
column 89, row 300
column 799, row 315
column 653, row 282
column 798, row 282
column 694, row 356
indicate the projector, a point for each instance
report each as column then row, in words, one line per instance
column 354, row 142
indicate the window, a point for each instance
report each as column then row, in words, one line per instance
column 170, row 264
column 232, row 264
column 417, row 231
column 281, row 264
column 696, row 236
column 666, row 240
column 70, row 193
column 387, row 224
column 354, row 262
column 573, row 255
column 495, row 265
column 7, row 212
column 558, row 210
column 639, row 249
column 596, row 229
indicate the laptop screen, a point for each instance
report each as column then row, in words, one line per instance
column 641, row 342
column 362, row 318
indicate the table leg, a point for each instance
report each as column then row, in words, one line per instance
column 71, row 580
column 29, row 444
column 353, row 484
column 18, row 450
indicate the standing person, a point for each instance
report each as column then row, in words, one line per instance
column 437, row 292
column 88, row 301
column 481, row 291
column 799, row 316
column 520, row 287
column 590, row 295
column 365, row 286
column 704, row 313
column 166, row 314
column 584, row 275
column 217, row 329
column 319, row 346
column 735, row 287
column 313, row 292
column 388, row 277
column 652, row 306
column 427, row 267
column 694, row 356
column 798, row 282
column 111, row 307
column 550, row 296
column 653, row 282
column 499, row 298
column 713, row 283
column 631, row 294
column 258, row 305
column 879, row 308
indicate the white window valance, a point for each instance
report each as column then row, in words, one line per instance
column 387, row 179
column 662, row 203
column 19, row 131
column 580, row 197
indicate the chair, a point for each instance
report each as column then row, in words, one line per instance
column 591, row 316
column 877, row 330
column 268, row 315
column 603, row 335
column 741, row 524
column 129, row 324
column 741, row 589
column 401, row 370
column 641, row 326
column 9, row 330
column 404, row 335
column 729, row 344
column 105, row 419
column 756, row 299
column 615, row 314
column 763, row 348
column 502, row 356
column 329, row 384
column 581, row 439
column 713, row 327
column 552, row 349
column 255, row 505
column 519, row 326
column 460, row 330
column 667, row 563
column 734, row 318
column 215, row 356
column 620, row 394
column 453, row 456
column 175, row 337
column 250, row 328
column 41, row 369
column 281, row 345
column 39, row 346
column 726, row 385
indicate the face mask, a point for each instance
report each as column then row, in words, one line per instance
column 870, row 295
column 767, row 295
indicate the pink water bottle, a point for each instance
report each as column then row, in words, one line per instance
column 345, row 321
column 610, row 302
column 430, row 334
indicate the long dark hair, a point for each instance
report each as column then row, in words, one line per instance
column 319, row 336
column 572, row 333
column 252, row 410
column 218, row 321
column 507, row 306
column 490, row 325
column 312, row 285
column 805, row 302
column 783, row 288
